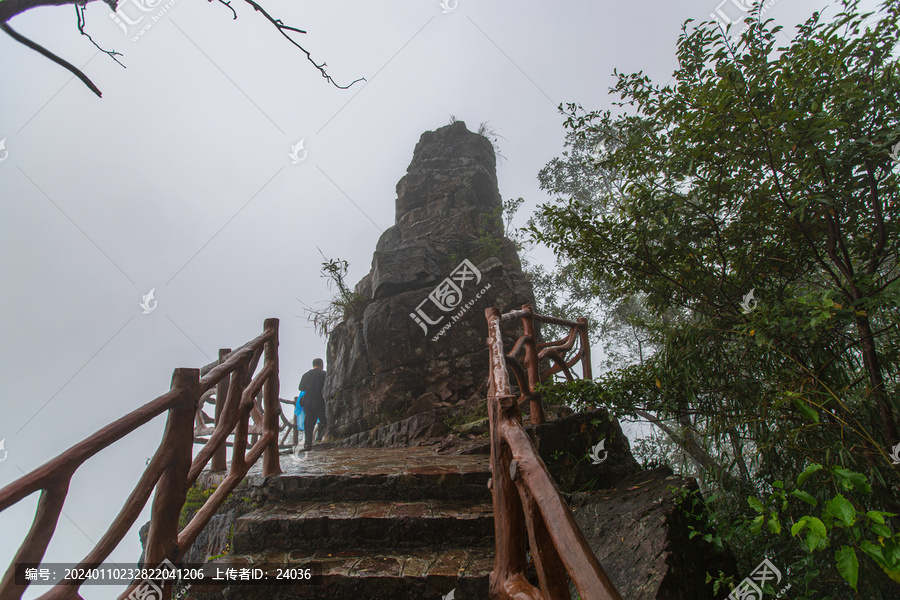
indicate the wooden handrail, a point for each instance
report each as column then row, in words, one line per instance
column 528, row 508
column 173, row 468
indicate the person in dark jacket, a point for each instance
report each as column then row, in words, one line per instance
column 312, row 382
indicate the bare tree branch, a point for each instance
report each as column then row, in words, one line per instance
column 60, row 61
column 11, row 8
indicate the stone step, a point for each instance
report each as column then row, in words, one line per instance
column 395, row 474
column 365, row 524
column 423, row 574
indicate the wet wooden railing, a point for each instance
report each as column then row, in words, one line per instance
column 529, row 511
column 171, row 471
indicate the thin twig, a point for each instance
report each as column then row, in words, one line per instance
column 79, row 10
column 282, row 29
column 228, row 4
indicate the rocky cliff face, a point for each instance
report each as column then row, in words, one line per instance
column 420, row 341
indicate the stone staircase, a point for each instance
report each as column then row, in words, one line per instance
column 377, row 524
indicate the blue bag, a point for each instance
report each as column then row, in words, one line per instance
column 299, row 412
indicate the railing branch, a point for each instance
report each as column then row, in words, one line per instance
column 32, row 549
column 229, row 419
column 71, row 459
column 130, row 510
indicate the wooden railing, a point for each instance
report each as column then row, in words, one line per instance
column 529, row 511
column 204, row 424
column 563, row 355
column 171, row 470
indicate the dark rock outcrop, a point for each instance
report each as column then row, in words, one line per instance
column 420, row 339
column 418, row 429
column 565, row 446
column 640, row 532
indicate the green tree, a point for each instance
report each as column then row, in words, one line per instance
column 753, row 209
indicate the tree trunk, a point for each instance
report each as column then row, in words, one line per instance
column 876, row 382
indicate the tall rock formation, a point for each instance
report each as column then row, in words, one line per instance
column 420, row 339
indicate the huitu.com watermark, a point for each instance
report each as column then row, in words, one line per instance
column 751, row 588
column 448, row 297
column 748, row 303
column 733, row 12
column 599, row 447
column 132, row 21
column 148, row 303
column 151, row 589
column 298, row 153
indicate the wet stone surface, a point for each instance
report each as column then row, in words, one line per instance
column 389, row 474
column 367, row 462
column 373, row 523
column 363, row 524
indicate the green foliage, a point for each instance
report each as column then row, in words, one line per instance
column 486, row 130
column 841, row 522
column 702, row 523
column 580, row 395
column 489, row 242
column 762, row 169
column 691, row 503
column 493, row 228
column 227, row 549
column 477, row 413
column 195, row 498
column 345, row 304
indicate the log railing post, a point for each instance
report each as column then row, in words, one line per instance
column 532, row 366
column 585, row 349
column 219, row 459
column 239, row 449
column 171, row 491
column 271, row 404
